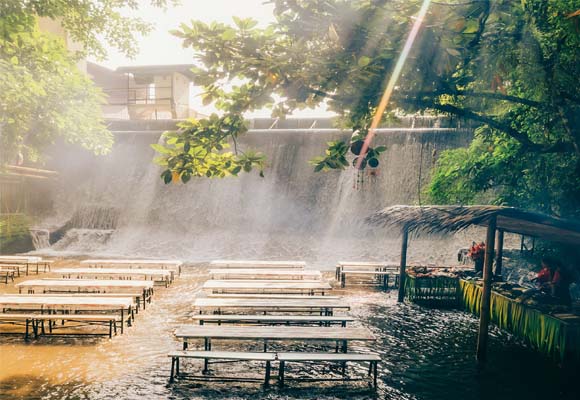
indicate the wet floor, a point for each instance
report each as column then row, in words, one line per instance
column 426, row 354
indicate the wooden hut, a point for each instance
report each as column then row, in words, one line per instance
column 497, row 220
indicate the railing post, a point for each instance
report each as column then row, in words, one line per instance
column 484, row 312
column 499, row 256
column 403, row 265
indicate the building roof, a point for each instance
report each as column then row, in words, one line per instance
column 445, row 219
column 184, row 69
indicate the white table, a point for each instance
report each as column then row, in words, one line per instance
column 89, row 285
column 315, row 305
column 135, row 263
column 272, row 333
column 163, row 275
column 68, row 303
column 255, row 286
column 263, row 274
column 254, row 264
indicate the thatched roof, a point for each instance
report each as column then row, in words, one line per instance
column 446, row 219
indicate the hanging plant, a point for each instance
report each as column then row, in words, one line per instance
column 363, row 164
column 356, row 147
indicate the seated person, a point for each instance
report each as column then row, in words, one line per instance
column 545, row 274
column 560, row 285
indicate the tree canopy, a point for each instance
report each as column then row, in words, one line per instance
column 511, row 67
column 43, row 95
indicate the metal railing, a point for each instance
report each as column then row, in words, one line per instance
column 132, row 96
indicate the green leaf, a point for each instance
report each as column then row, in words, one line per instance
column 228, row 34
column 472, row 26
column 160, row 148
column 185, row 177
column 364, row 61
column 167, row 177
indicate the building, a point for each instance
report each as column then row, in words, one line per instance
column 145, row 92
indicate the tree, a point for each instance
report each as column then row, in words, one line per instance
column 511, row 67
column 43, row 95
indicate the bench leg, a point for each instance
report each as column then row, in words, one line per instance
column 375, row 371
column 343, row 280
column 111, row 329
column 26, row 333
column 267, row 377
column 171, row 375
column 281, row 374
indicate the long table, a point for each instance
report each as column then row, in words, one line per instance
column 250, row 286
column 322, row 306
column 88, row 285
column 163, row 275
column 363, row 266
column 264, row 274
column 26, row 261
column 163, row 264
column 272, row 333
column 48, row 304
column 257, row 264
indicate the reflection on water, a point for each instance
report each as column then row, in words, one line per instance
column 427, row 354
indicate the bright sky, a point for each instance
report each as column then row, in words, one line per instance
column 160, row 47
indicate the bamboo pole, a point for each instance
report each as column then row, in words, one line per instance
column 486, row 292
column 403, row 265
column 499, row 256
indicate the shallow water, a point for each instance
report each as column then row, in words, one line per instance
column 426, row 354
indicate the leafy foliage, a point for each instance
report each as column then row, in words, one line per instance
column 43, row 95
column 526, row 153
column 511, row 67
column 89, row 22
column 196, row 151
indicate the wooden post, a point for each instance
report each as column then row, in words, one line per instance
column 403, row 265
column 499, row 256
column 486, row 294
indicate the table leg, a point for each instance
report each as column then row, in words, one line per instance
column 267, row 377
column 171, row 375
column 281, row 374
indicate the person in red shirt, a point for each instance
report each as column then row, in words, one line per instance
column 545, row 274
column 560, row 285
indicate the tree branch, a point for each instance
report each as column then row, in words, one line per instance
column 558, row 147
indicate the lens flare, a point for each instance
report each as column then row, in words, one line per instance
column 393, row 80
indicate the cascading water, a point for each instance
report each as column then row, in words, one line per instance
column 40, row 238
column 291, row 213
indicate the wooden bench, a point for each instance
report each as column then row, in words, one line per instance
column 36, row 321
column 270, row 296
column 283, row 358
column 221, row 355
column 6, row 274
column 381, row 276
column 322, row 320
column 372, row 359
column 363, row 266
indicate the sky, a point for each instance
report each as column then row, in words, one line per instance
column 160, row 47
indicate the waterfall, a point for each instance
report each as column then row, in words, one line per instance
column 292, row 212
column 40, row 238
